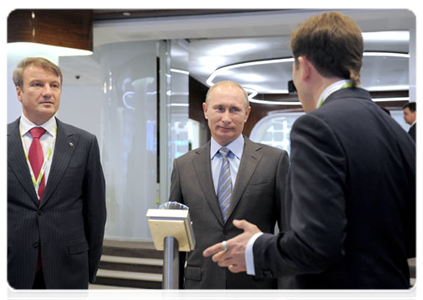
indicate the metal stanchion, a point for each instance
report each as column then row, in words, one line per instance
column 171, row 229
column 171, row 263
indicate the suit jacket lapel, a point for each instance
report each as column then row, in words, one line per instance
column 202, row 167
column 66, row 142
column 17, row 162
column 249, row 161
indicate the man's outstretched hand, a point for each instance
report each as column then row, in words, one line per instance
column 234, row 257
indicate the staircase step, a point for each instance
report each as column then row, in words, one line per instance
column 129, row 275
column 131, row 264
column 131, row 249
column 132, row 260
column 129, row 279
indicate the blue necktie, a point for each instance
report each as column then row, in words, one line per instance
column 224, row 187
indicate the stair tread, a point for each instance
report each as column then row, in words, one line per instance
column 132, row 260
column 129, row 244
column 129, row 275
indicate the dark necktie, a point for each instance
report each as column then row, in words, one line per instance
column 36, row 156
column 224, row 187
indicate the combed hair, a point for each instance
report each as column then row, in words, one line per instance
column 333, row 43
column 36, row 61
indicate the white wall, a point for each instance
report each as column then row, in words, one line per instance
column 80, row 106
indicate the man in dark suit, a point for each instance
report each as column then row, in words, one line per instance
column 252, row 187
column 56, row 189
column 351, row 191
column 409, row 110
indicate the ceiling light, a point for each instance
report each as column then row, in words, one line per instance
column 179, row 71
column 267, row 102
column 391, row 99
column 388, row 88
column 42, row 50
column 387, row 36
column 218, row 71
column 275, row 102
column 387, row 54
column 253, row 91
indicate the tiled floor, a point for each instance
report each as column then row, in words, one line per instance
column 105, row 292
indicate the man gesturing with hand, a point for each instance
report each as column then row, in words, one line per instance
column 351, row 192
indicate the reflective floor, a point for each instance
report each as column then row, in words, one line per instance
column 105, row 292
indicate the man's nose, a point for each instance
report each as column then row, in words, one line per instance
column 47, row 91
column 226, row 117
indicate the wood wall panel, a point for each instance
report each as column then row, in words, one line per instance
column 65, row 28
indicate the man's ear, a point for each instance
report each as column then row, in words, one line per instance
column 306, row 67
column 18, row 93
column 247, row 114
column 205, row 110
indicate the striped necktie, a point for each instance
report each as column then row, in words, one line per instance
column 224, row 187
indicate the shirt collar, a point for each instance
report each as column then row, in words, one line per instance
column 415, row 121
column 26, row 125
column 236, row 147
column 332, row 89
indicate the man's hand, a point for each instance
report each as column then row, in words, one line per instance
column 234, row 257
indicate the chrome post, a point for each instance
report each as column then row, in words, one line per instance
column 170, row 263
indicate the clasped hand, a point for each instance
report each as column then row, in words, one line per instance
column 233, row 257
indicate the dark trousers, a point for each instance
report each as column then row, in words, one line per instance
column 39, row 291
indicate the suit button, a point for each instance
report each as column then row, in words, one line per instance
column 35, row 245
column 39, row 212
column 225, row 231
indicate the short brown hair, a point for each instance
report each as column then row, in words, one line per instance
column 37, row 61
column 333, row 43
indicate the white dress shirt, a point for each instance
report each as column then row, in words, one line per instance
column 46, row 139
column 332, row 89
column 412, row 124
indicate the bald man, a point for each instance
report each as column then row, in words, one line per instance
column 229, row 178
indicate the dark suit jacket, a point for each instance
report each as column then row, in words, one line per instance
column 258, row 197
column 351, row 198
column 69, row 223
column 415, row 132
